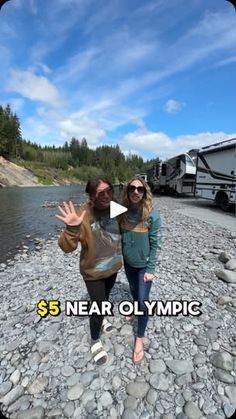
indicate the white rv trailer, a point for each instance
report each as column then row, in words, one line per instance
column 176, row 174
column 216, row 173
column 142, row 176
column 180, row 174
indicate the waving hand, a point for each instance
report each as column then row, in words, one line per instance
column 69, row 215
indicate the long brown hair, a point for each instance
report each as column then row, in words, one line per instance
column 146, row 205
column 93, row 183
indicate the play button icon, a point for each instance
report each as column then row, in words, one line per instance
column 116, row 209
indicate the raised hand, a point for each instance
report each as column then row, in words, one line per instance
column 69, row 215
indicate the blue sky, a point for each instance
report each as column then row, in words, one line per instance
column 156, row 77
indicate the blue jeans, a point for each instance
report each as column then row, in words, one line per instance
column 140, row 292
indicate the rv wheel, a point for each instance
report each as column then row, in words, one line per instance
column 224, row 203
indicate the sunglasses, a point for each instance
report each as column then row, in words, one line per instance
column 132, row 188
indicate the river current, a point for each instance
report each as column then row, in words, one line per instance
column 26, row 214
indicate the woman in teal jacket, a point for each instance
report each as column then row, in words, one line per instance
column 140, row 228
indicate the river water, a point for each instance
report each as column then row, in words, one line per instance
column 22, row 213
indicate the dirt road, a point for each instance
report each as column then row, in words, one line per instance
column 203, row 210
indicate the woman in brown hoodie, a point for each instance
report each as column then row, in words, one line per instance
column 100, row 257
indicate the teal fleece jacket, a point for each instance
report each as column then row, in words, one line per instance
column 141, row 241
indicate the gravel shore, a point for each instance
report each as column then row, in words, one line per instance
column 46, row 369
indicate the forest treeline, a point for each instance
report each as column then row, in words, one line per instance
column 73, row 159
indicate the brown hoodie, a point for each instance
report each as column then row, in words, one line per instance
column 99, row 236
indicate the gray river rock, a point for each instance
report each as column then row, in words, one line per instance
column 189, row 372
column 231, row 264
column 226, row 275
column 222, row 360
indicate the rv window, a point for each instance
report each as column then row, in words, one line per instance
column 163, row 170
column 189, row 161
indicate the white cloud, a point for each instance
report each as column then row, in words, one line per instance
column 143, row 142
column 130, row 51
column 108, row 112
column 33, row 87
column 79, row 128
column 173, row 106
column 52, row 127
column 44, row 68
column 226, row 61
column 109, row 12
column 48, row 114
column 186, row 142
column 147, row 142
column 150, row 144
column 35, row 130
column 130, row 152
column 214, row 33
column 77, row 65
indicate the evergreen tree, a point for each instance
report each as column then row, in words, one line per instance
column 10, row 133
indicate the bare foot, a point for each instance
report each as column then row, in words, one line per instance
column 138, row 354
column 129, row 318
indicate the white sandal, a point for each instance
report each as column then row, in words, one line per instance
column 106, row 326
column 100, row 356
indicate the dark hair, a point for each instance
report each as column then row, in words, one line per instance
column 93, row 183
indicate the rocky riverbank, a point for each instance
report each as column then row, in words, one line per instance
column 46, row 369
